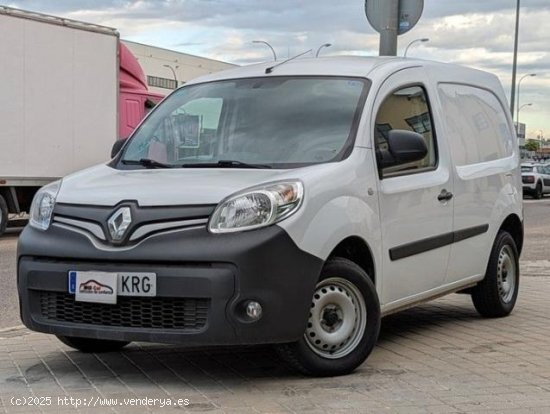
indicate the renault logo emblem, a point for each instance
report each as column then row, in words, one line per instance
column 119, row 223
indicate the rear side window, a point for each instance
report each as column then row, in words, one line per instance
column 406, row 109
column 478, row 127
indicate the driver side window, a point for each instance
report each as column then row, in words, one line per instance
column 406, row 109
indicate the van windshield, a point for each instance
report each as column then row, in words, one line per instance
column 526, row 168
column 276, row 122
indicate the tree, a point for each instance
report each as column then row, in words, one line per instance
column 532, row 145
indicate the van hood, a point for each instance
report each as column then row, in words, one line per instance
column 106, row 186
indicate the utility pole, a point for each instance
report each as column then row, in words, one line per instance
column 515, row 64
column 390, row 22
column 392, row 18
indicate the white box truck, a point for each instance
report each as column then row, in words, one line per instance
column 62, row 104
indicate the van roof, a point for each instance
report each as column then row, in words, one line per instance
column 374, row 68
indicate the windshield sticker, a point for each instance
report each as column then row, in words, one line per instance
column 189, row 129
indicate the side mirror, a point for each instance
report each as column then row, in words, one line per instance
column 117, row 146
column 403, row 147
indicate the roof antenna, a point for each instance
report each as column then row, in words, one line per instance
column 270, row 69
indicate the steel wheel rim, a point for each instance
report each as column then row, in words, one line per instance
column 337, row 319
column 506, row 274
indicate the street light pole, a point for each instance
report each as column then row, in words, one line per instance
column 515, row 64
column 173, row 73
column 413, row 42
column 519, row 109
column 523, row 106
column 322, row 46
column 269, row 46
column 519, row 90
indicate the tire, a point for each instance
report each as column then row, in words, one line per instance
column 538, row 191
column 3, row 215
column 495, row 296
column 343, row 289
column 89, row 345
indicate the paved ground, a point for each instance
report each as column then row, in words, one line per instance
column 436, row 358
column 537, row 229
column 9, row 307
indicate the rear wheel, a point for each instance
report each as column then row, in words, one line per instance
column 343, row 324
column 496, row 295
column 538, row 191
column 92, row 345
column 3, row 215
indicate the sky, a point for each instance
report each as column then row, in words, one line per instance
column 477, row 33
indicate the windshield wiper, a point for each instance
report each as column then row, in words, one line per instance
column 147, row 163
column 226, row 164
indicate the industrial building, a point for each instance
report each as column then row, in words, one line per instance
column 167, row 69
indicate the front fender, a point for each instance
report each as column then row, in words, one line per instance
column 340, row 203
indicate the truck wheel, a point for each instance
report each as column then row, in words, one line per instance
column 538, row 191
column 343, row 325
column 3, row 215
column 495, row 296
column 92, row 345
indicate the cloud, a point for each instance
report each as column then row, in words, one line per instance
column 470, row 32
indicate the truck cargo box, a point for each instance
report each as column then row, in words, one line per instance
column 58, row 106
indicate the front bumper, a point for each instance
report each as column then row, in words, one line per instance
column 203, row 281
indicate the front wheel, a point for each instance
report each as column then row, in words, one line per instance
column 496, row 295
column 343, row 324
column 92, row 345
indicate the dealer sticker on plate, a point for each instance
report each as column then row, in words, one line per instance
column 98, row 287
column 104, row 287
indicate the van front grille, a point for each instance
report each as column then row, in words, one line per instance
column 129, row 312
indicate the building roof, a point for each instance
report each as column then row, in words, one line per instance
column 177, row 52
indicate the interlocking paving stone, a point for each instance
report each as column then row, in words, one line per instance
column 440, row 357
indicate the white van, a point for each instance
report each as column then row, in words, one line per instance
column 292, row 204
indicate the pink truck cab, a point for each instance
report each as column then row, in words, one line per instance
column 135, row 100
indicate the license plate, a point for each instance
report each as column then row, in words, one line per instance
column 104, row 287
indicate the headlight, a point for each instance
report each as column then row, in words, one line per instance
column 42, row 206
column 257, row 207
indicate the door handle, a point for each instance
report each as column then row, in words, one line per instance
column 444, row 195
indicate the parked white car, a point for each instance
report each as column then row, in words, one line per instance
column 535, row 179
column 292, row 203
